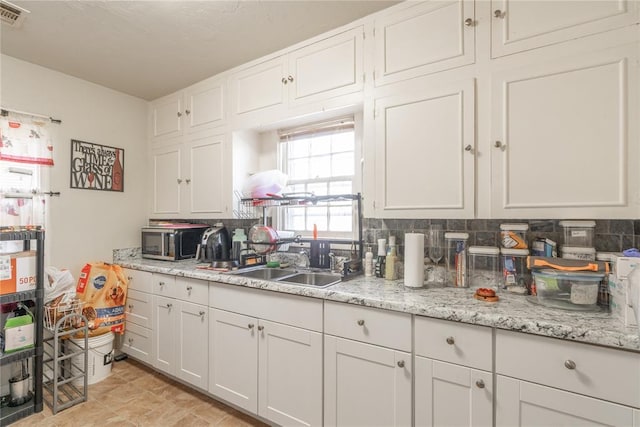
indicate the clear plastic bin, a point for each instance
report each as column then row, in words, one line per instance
column 578, row 252
column 567, row 290
column 578, row 233
column 456, row 259
column 515, row 274
column 484, row 267
column 514, row 236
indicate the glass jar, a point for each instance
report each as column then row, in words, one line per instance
column 456, row 259
column 516, row 276
column 484, row 267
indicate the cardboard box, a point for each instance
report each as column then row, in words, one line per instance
column 18, row 333
column 17, row 272
column 620, row 302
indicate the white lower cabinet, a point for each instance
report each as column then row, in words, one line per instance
column 520, row 403
column 266, row 366
column 138, row 331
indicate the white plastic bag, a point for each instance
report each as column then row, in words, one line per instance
column 59, row 283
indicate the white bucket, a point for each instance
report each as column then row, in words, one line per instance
column 100, row 356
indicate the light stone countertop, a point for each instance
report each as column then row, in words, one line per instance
column 512, row 312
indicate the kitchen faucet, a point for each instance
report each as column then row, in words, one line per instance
column 303, row 259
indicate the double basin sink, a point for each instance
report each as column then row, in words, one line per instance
column 306, row 278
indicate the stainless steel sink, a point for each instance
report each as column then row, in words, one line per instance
column 317, row 280
column 265, row 273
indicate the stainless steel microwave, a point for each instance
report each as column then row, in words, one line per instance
column 173, row 242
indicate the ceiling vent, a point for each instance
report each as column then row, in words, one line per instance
column 11, row 14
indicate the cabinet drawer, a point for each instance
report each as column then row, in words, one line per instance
column 138, row 308
column 370, row 325
column 137, row 342
column 453, row 342
column 600, row 372
column 303, row 312
column 139, row 280
column 164, row 285
column 192, row 290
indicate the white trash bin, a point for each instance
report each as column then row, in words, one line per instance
column 100, row 358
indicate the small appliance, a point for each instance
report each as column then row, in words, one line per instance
column 171, row 241
column 215, row 244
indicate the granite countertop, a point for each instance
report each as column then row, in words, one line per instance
column 512, row 312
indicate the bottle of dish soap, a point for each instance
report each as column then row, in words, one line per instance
column 368, row 263
column 382, row 253
column 392, row 258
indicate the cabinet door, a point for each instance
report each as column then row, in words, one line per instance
column 164, row 334
column 290, row 375
column 521, row 25
column 193, row 345
column 425, row 153
column 327, row 68
column 425, row 38
column 205, row 104
column 138, row 343
column 233, row 358
column 259, row 87
column 519, row 403
column 166, row 178
column 564, row 133
column 207, row 184
column 166, row 115
column 139, row 280
column 138, row 308
column 365, row 384
column 452, row 395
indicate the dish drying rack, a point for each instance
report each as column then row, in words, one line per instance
column 306, row 200
column 65, row 362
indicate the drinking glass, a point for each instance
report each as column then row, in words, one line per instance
column 436, row 246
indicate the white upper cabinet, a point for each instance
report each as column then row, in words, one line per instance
column 314, row 73
column 424, row 152
column 423, row 38
column 564, row 137
column 522, row 25
column 198, row 107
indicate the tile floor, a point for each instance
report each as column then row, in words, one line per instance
column 134, row 395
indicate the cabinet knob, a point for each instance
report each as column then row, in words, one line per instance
column 161, row 283
column 130, row 340
column 129, row 278
column 498, row 13
column 480, row 384
column 284, row 81
column 497, row 144
column 130, row 307
column 188, row 180
column 450, row 341
column 179, row 114
column 179, row 181
column 401, row 364
column 260, row 327
column 169, row 305
column 189, row 288
column 201, row 313
column 468, row 148
column 250, row 326
column 570, row 364
column 290, row 78
column 468, row 22
column 360, row 322
column 187, row 112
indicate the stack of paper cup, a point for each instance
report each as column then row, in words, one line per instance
column 414, row 260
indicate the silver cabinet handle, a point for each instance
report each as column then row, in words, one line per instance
column 468, row 148
column 187, row 112
column 130, row 340
column 189, row 288
column 498, row 13
column 201, row 313
column 179, row 181
column 570, row 364
column 169, row 305
column 284, row 81
column 260, row 327
column 480, row 384
column 360, row 322
column 130, row 307
column 497, row 144
column 468, row 22
column 450, row 341
column 401, row 364
column 179, row 114
column 250, row 326
column 290, row 78
column 129, row 278
column 161, row 283
column 188, row 180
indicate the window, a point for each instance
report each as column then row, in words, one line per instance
column 319, row 159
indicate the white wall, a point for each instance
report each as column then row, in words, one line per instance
column 84, row 225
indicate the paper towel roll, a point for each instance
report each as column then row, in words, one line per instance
column 414, row 260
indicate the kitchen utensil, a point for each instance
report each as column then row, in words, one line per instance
column 263, row 239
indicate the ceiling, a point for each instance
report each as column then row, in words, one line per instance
column 152, row 48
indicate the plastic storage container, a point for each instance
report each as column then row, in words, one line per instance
column 484, row 267
column 578, row 233
column 456, row 259
column 515, row 274
column 578, row 252
column 514, row 236
column 567, row 290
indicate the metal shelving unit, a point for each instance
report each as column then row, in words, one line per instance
column 65, row 362
column 10, row 414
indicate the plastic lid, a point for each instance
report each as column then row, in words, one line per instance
column 456, row 236
column 483, row 250
column 580, row 224
column 515, row 252
column 514, row 227
column 578, row 249
column 607, row 256
column 569, row 275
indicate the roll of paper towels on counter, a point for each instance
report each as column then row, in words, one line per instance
column 414, row 260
